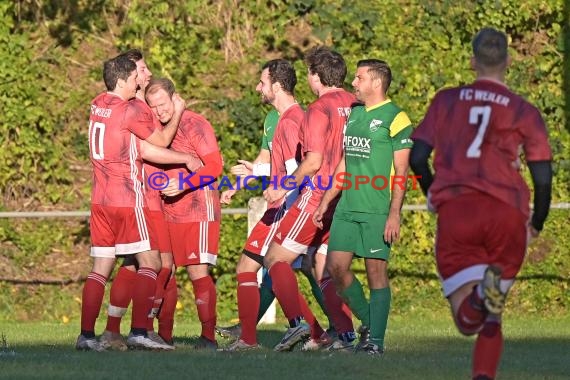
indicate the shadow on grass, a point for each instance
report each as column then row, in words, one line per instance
column 268, row 338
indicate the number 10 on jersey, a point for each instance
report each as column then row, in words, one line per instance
column 96, row 136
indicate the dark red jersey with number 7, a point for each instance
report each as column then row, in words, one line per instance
column 478, row 133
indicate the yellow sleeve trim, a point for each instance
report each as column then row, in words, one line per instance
column 400, row 122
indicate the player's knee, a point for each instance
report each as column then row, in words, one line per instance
column 149, row 259
column 167, row 260
column 268, row 261
column 103, row 266
column 242, row 267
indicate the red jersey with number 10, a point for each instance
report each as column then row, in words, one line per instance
column 115, row 127
column 477, row 132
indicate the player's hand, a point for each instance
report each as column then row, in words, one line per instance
column 173, row 189
column 245, row 168
column 318, row 215
column 179, row 103
column 193, row 163
column 531, row 233
column 392, row 228
column 274, row 194
column 226, row 197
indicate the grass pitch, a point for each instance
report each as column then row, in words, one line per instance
column 417, row 347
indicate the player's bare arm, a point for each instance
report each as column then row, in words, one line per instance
column 159, row 155
column 401, row 167
column 330, row 194
column 308, row 168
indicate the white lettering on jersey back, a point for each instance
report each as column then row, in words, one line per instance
column 100, row 111
column 470, row 94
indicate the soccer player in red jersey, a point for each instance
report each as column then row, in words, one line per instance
column 321, row 138
column 477, row 132
column 261, row 167
column 192, row 206
column 122, row 286
column 120, row 135
column 276, row 86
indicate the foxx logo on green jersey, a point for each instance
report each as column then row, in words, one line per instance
column 356, row 142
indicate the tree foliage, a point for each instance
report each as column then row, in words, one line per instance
column 51, row 68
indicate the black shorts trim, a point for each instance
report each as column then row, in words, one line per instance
column 257, row 258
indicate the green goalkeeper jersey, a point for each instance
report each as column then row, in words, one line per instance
column 372, row 136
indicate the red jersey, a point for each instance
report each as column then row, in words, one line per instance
column 115, row 127
column 477, row 132
column 151, row 196
column 322, row 132
column 285, row 145
column 195, row 136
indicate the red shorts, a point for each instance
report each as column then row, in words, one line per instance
column 194, row 242
column 262, row 233
column 121, row 231
column 161, row 230
column 473, row 232
column 298, row 233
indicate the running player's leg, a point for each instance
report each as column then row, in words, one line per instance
column 478, row 262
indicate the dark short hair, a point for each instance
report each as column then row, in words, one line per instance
column 156, row 84
column 282, row 71
column 490, row 47
column 133, row 54
column 378, row 69
column 117, row 68
column 327, row 64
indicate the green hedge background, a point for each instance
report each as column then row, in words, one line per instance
column 51, row 67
